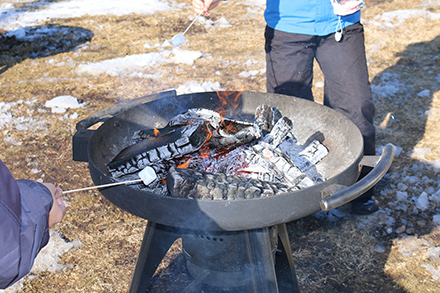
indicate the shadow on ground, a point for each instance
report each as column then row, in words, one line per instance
column 38, row 42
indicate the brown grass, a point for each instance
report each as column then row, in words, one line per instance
column 330, row 256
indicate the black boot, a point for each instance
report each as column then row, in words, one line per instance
column 366, row 203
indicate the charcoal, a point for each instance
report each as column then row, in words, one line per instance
column 189, row 183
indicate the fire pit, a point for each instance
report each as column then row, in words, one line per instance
column 172, row 217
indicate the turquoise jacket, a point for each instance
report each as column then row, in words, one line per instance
column 310, row 17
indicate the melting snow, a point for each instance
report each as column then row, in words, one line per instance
column 61, row 103
column 48, row 259
column 38, row 13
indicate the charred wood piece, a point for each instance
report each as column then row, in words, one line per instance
column 196, row 115
column 186, row 183
column 308, row 157
column 306, row 160
column 181, row 141
column 266, row 117
column 279, row 132
column 297, row 168
column 229, row 139
column 286, row 171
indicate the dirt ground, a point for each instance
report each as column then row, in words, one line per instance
column 330, row 256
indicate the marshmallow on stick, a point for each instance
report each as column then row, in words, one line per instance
column 147, row 176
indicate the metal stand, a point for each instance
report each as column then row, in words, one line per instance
column 263, row 271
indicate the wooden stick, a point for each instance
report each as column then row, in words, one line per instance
column 102, row 186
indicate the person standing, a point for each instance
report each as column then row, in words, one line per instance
column 27, row 210
column 330, row 32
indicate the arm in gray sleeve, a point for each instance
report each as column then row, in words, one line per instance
column 24, row 212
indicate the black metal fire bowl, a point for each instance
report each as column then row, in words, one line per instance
column 341, row 167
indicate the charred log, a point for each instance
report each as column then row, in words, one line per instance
column 195, row 116
column 279, row 132
column 180, row 142
column 266, row 117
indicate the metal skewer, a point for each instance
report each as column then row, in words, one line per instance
column 147, row 175
column 102, row 186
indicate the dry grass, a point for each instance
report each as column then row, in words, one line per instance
column 331, row 257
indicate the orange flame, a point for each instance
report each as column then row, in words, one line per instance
column 156, row 132
column 230, row 98
column 184, row 165
column 204, row 152
column 209, row 131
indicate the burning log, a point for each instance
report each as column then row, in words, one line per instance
column 195, row 116
column 230, row 140
column 188, row 183
column 176, row 142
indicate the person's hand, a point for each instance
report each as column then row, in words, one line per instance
column 58, row 210
column 204, row 5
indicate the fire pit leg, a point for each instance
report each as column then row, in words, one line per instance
column 157, row 240
column 261, row 267
column 265, row 275
column 285, row 267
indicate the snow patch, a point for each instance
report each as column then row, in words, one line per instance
column 48, row 259
column 195, row 87
column 44, row 11
column 60, row 104
column 139, row 62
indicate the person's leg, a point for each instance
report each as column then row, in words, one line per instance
column 347, row 87
column 289, row 63
column 347, row 90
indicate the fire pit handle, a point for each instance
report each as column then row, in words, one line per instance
column 337, row 195
column 111, row 111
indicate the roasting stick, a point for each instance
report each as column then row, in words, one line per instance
column 102, row 186
column 147, row 175
column 179, row 39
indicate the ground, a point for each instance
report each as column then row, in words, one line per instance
column 352, row 254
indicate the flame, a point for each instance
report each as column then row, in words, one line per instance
column 209, row 131
column 230, row 98
column 184, row 165
column 164, row 181
column 156, row 132
column 204, row 152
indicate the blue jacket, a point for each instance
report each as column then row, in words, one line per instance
column 24, row 230
column 310, row 17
